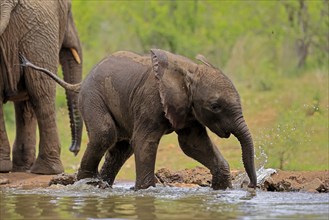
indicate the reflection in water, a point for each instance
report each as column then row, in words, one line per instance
column 76, row 202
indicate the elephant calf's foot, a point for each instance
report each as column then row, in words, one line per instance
column 5, row 166
column 105, row 176
column 84, row 174
column 42, row 166
column 99, row 183
column 145, row 184
column 221, row 182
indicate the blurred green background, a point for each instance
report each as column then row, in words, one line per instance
column 276, row 53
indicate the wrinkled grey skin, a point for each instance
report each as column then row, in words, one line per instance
column 128, row 102
column 45, row 33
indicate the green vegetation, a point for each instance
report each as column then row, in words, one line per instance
column 276, row 53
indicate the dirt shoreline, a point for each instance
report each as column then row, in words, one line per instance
column 288, row 181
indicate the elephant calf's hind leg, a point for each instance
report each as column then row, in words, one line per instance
column 102, row 134
column 114, row 159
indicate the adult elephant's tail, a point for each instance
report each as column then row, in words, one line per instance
column 72, row 87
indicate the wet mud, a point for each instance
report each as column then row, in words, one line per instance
column 281, row 181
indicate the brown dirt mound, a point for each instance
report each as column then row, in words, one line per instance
column 198, row 176
column 288, row 181
column 308, row 181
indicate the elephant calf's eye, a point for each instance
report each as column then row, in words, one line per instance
column 215, row 107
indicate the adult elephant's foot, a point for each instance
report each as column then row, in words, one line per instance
column 22, row 164
column 23, row 158
column 53, row 166
column 5, row 166
column 20, row 168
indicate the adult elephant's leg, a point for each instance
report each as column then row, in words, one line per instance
column 25, row 142
column 195, row 143
column 101, row 132
column 115, row 157
column 145, row 148
column 5, row 162
column 42, row 95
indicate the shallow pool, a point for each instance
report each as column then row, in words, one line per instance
column 88, row 202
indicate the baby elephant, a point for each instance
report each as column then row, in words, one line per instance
column 128, row 102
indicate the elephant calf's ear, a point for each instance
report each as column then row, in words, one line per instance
column 172, row 88
column 159, row 62
column 204, row 60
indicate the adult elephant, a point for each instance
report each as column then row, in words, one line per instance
column 43, row 31
column 129, row 102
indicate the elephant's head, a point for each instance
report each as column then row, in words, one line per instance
column 203, row 90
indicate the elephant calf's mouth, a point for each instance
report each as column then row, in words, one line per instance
column 223, row 134
column 227, row 134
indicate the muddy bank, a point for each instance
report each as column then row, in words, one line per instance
column 24, row 180
column 287, row 181
column 281, row 181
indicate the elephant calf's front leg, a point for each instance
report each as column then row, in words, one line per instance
column 196, row 144
column 145, row 150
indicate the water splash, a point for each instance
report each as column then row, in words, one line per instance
column 261, row 158
column 263, row 173
column 242, row 180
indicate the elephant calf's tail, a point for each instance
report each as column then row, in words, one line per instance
column 65, row 85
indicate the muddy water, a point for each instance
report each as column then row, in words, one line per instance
column 87, row 202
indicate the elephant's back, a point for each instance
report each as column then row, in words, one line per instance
column 124, row 69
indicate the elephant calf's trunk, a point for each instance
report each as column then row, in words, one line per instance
column 245, row 139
